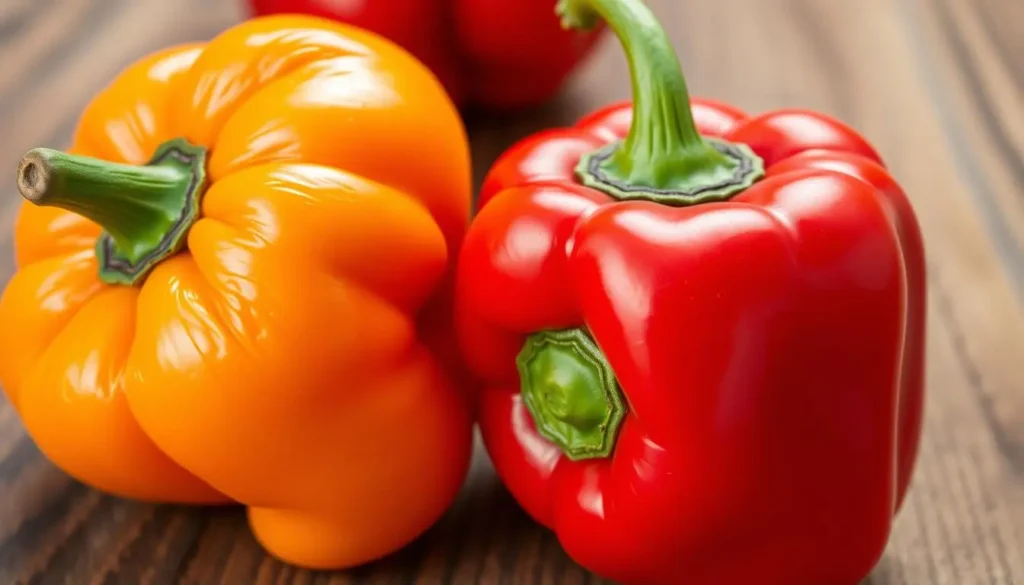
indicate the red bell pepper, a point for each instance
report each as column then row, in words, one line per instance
column 502, row 54
column 700, row 333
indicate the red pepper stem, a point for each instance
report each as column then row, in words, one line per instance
column 571, row 392
column 664, row 158
column 145, row 210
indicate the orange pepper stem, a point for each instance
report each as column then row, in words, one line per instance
column 145, row 210
column 664, row 158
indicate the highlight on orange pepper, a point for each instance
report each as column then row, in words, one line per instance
column 236, row 286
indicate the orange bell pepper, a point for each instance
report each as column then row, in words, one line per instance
column 236, row 286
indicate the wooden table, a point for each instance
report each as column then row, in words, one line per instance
column 937, row 84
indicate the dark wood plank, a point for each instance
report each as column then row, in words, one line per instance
column 937, row 84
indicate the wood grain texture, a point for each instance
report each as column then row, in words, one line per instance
column 938, row 85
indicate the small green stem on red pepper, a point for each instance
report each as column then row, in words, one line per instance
column 145, row 211
column 571, row 391
column 663, row 158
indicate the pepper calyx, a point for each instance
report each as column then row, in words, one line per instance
column 663, row 158
column 145, row 211
column 571, row 392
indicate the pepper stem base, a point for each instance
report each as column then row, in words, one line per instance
column 571, row 391
column 145, row 211
column 742, row 169
column 129, row 267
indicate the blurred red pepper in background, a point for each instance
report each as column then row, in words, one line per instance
column 493, row 53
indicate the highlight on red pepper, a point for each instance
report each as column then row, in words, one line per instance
column 500, row 54
column 237, row 286
column 700, row 333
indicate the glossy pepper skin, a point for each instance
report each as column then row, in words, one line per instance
column 290, row 351
column 698, row 369
column 497, row 54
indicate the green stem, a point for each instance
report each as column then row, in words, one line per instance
column 664, row 158
column 571, row 392
column 145, row 211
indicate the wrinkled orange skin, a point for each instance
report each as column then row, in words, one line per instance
column 289, row 358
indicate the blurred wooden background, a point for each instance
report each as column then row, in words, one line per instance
column 938, row 85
